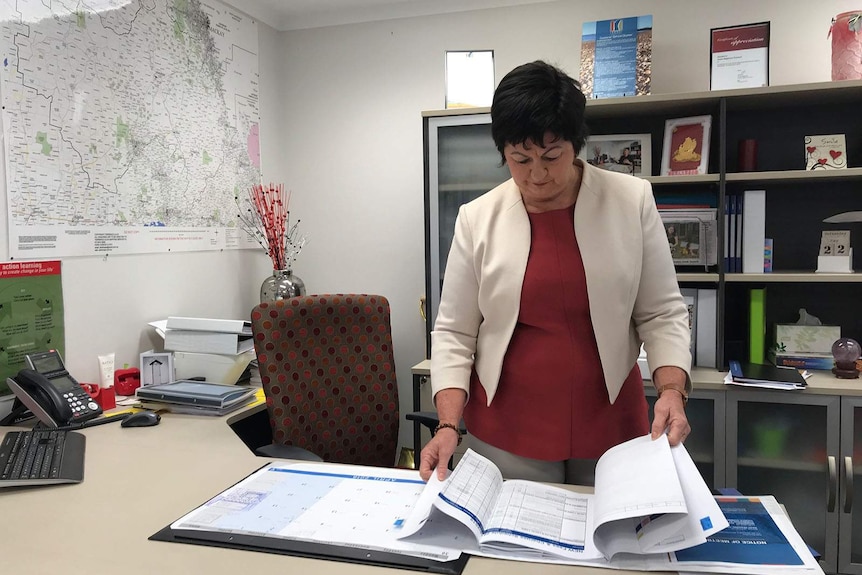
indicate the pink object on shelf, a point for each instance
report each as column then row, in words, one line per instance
column 846, row 32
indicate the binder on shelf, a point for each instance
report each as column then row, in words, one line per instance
column 765, row 375
column 754, row 231
column 207, row 341
column 706, row 327
column 237, row 326
column 757, row 325
column 739, row 217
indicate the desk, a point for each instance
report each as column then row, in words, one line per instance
column 137, row 480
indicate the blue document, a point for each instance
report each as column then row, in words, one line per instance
column 753, row 538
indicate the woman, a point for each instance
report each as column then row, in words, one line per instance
column 553, row 280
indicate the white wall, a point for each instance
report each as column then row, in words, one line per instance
column 341, row 128
column 109, row 300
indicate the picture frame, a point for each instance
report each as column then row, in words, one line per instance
column 686, row 146
column 625, row 153
column 687, row 241
column 156, row 367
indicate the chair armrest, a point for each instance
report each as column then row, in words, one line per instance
column 430, row 420
column 279, row 451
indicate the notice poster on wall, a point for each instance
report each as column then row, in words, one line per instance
column 739, row 57
column 31, row 313
column 616, row 56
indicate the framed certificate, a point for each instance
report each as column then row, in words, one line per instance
column 739, row 57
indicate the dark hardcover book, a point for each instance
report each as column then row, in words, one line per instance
column 760, row 373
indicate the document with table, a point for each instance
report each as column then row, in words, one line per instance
column 649, row 499
column 650, row 511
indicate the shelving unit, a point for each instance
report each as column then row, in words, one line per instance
column 816, row 487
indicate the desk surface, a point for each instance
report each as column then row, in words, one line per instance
column 137, row 480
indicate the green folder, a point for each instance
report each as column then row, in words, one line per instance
column 757, row 325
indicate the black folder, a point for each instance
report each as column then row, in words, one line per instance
column 758, row 373
column 312, row 550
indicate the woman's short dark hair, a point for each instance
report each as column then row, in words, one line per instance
column 536, row 98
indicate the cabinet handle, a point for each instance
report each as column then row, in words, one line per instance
column 833, row 480
column 848, row 484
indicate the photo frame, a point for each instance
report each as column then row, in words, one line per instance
column 469, row 78
column 157, row 367
column 686, row 146
column 687, row 241
column 624, row 153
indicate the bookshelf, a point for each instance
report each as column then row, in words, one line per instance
column 461, row 163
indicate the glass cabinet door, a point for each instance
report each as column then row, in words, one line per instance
column 786, row 444
column 462, row 164
column 849, row 470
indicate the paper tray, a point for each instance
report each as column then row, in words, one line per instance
column 313, row 550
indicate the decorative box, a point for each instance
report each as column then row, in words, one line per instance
column 794, row 338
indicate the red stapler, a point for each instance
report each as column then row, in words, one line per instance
column 126, row 381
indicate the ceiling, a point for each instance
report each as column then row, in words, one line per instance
column 299, row 14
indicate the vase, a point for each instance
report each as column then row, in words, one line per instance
column 847, row 46
column 282, row 284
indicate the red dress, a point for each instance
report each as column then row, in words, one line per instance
column 551, row 401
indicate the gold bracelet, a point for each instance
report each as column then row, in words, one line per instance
column 449, row 426
column 669, row 387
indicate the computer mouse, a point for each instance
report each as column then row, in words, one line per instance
column 142, row 419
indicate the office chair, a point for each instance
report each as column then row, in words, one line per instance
column 328, row 373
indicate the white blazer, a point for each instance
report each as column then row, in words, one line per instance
column 631, row 283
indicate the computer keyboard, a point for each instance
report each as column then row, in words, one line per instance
column 41, row 457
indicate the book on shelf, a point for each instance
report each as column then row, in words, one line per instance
column 196, row 393
column 207, row 341
column 689, row 296
column 649, row 500
column 764, row 375
column 237, row 326
column 823, row 361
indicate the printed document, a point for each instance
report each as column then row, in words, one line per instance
column 649, row 499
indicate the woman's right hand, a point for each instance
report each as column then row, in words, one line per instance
column 437, row 453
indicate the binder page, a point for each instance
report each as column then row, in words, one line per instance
column 521, row 518
column 704, row 516
column 336, row 504
column 637, row 490
column 635, row 479
column 542, row 518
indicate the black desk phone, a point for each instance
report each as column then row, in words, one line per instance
column 51, row 393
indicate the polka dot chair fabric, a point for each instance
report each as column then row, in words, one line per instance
column 328, row 373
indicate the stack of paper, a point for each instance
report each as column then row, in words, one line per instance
column 217, row 349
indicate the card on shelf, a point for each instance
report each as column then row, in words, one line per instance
column 827, row 152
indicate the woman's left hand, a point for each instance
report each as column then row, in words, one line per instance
column 670, row 414
column 670, row 407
